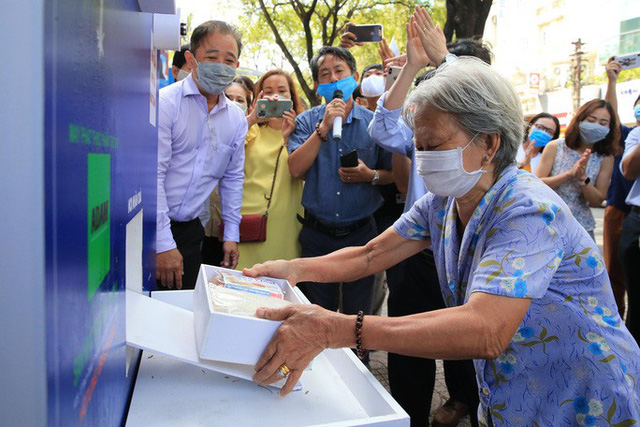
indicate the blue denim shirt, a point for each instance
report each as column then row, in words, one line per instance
column 325, row 196
column 390, row 132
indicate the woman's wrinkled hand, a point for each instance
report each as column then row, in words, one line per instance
column 303, row 334
column 431, row 35
column 279, row 269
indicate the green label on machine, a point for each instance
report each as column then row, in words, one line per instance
column 98, row 220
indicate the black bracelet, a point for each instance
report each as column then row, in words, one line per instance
column 359, row 350
column 322, row 138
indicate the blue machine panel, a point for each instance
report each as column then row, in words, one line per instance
column 101, row 150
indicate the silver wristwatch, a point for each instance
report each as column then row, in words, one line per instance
column 376, row 177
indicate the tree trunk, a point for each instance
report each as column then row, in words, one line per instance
column 466, row 18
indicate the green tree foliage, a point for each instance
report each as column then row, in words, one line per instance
column 286, row 33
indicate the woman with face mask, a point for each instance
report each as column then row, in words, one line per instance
column 241, row 95
column 265, row 168
column 579, row 167
column 527, row 293
column 542, row 129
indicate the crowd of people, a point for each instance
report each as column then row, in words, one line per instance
column 481, row 221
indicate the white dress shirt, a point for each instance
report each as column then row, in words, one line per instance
column 197, row 150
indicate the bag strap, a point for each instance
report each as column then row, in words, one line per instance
column 273, row 182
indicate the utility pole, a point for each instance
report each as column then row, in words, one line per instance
column 577, row 72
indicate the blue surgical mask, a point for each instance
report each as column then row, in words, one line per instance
column 540, row 137
column 636, row 112
column 346, row 85
column 214, row 77
column 592, row 132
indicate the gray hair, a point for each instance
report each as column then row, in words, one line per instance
column 480, row 100
column 212, row 27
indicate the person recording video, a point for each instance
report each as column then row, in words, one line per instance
column 339, row 202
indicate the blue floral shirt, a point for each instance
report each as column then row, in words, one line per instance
column 572, row 360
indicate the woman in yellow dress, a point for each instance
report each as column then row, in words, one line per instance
column 265, row 146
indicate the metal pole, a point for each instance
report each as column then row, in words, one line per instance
column 577, row 73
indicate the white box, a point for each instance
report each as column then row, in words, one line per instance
column 338, row 392
column 230, row 338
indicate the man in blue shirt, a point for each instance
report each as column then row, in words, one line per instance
column 630, row 239
column 617, row 209
column 339, row 201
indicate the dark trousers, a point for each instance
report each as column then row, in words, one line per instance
column 212, row 252
column 356, row 295
column 188, row 237
column 630, row 254
column 611, row 233
column 412, row 379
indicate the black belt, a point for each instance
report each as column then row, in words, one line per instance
column 313, row 222
column 635, row 209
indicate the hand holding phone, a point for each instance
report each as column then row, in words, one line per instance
column 366, row 33
column 628, row 62
column 392, row 76
column 273, row 108
column 349, row 160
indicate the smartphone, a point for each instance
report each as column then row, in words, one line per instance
column 629, row 61
column 366, row 33
column 392, row 76
column 276, row 108
column 349, row 160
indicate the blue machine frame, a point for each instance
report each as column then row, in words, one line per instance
column 100, row 171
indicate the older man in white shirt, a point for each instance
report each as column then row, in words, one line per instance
column 200, row 145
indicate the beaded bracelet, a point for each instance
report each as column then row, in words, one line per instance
column 323, row 138
column 359, row 350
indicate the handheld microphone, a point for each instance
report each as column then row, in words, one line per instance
column 337, row 122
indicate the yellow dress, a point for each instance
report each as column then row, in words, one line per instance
column 261, row 150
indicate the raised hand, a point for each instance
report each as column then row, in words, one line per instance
column 348, row 39
column 431, row 36
column 396, row 61
column 613, row 69
column 417, row 57
column 385, row 51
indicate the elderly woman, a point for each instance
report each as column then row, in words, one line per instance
column 529, row 298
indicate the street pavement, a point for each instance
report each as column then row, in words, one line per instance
column 440, row 394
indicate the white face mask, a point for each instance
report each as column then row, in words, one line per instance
column 182, row 74
column 372, row 86
column 241, row 106
column 443, row 172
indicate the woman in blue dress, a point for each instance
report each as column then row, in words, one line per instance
column 527, row 292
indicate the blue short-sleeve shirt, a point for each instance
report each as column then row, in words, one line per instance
column 325, row 196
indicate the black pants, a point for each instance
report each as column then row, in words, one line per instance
column 212, row 252
column 412, row 379
column 356, row 295
column 630, row 255
column 188, row 237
